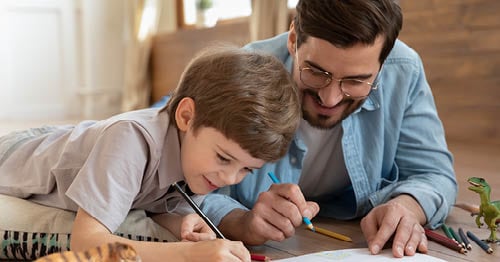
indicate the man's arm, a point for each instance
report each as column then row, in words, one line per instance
column 274, row 216
column 426, row 187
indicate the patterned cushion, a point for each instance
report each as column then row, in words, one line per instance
column 30, row 230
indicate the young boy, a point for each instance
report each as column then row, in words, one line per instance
column 232, row 111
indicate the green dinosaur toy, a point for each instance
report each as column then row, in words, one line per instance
column 489, row 210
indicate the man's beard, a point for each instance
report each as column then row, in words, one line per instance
column 327, row 122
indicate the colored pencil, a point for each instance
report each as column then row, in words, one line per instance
column 457, row 237
column 257, row 257
column 440, row 239
column 198, row 210
column 464, row 238
column 305, row 219
column 480, row 243
column 329, row 233
column 447, row 232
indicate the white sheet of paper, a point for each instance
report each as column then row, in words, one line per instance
column 357, row 255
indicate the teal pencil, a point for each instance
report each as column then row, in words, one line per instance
column 457, row 237
column 305, row 219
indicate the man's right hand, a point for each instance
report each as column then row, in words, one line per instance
column 274, row 216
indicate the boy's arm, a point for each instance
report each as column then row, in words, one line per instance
column 87, row 233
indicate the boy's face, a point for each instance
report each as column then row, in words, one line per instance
column 210, row 160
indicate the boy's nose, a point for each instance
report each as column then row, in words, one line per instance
column 229, row 176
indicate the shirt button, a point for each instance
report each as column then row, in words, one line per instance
column 293, row 160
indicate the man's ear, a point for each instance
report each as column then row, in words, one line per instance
column 292, row 39
column 184, row 114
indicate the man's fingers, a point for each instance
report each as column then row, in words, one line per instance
column 405, row 240
column 379, row 225
column 312, row 209
column 293, row 194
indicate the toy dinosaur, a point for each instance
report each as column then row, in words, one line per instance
column 489, row 210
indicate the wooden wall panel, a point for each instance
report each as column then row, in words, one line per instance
column 171, row 52
column 459, row 42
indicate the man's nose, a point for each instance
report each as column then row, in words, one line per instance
column 331, row 94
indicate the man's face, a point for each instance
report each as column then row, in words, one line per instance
column 210, row 160
column 327, row 106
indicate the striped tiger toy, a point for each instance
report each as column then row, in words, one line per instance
column 110, row 252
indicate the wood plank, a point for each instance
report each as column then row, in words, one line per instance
column 464, row 66
column 472, row 92
column 429, row 5
column 471, row 125
column 454, row 42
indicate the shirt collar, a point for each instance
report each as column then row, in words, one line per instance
column 170, row 168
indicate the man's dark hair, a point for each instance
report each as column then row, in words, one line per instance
column 345, row 23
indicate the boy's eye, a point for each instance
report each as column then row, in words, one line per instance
column 222, row 159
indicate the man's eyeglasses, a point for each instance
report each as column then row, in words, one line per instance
column 352, row 88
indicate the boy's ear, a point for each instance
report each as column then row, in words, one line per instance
column 184, row 113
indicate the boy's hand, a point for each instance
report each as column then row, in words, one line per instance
column 193, row 228
column 402, row 217
column 217, row 250
column 274, row 216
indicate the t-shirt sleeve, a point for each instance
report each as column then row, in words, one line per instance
column 111, row 177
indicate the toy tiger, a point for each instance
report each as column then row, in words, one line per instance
column 111, row 252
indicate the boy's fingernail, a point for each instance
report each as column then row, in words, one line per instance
column 375, row 249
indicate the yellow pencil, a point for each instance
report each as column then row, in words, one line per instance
column 329, row 233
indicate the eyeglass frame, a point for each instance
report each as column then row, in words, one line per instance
column 374, row 85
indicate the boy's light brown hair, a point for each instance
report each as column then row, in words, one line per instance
column 247, row 96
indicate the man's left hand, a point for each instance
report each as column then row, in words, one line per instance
column 402, row 217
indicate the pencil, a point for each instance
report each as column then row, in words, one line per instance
column 464, row 238
column 329, row 233
column 480, row 243
column 443, row 240
column 305, row 219
column 257, row 257
column 198, row 210
column 447, row 232
column 457, row 237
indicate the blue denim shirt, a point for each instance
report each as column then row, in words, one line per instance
column 394, row 144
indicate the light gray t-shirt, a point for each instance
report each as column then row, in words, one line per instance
column 105, row 167
column 323, row 171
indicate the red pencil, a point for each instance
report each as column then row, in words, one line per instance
column 444, row 241
column 257, row 257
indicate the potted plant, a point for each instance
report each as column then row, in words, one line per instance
column 206, row 15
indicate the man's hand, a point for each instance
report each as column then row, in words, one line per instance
column 402, row 217
column 274, row 216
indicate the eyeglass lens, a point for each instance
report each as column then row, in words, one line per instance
column 350, row 87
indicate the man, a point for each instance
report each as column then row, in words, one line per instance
column 370, row 144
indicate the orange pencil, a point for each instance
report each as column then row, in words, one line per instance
column 329, row 233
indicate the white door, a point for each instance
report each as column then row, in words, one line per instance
column 38, row 59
